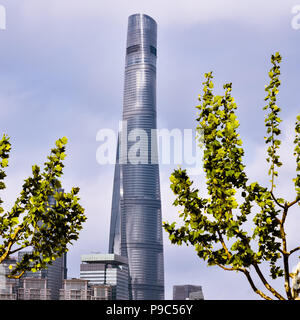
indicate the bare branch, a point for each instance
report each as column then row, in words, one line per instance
column 293, row 202
column 18, row 249
column 228, row 269
column 285, row 254
column 247, row 274
column 266, row 284
column 284, row 215
column 16, row 276
column 294, row 250
column 276, row 201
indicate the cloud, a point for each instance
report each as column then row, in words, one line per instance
column 95, row 194
column 167, row 12
column 62, row 68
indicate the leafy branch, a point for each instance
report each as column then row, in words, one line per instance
column 43, row 217
column 214, row 225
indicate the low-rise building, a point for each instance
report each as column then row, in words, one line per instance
column 75, row 289
column 34, row 289
column 101, row 292
column 54, row 273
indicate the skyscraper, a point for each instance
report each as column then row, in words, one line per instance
column 136, row 228
column 8, row 287
column 54, row 273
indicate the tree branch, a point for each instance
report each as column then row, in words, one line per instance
column 226, row 268
column 294, row 250
column 274, row 198
column 16, row 250
column 10, row 243
column 284, row 215
column 266, row 284
column 247, row 274
column 285, row 254
column 17, row 276
column 276, row 294
column 293, row 202
column 223, row 244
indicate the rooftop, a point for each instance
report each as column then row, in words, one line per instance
column 104, row 258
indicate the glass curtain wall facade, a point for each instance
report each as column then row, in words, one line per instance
column 54, row 273
column 106, row 269
column 136, row 224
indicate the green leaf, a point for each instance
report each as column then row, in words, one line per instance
column 64, row 140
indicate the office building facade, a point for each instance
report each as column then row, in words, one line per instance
column 8, row 287
column 187, row 292
column 54, row 273
column 136, row 224
column 34, row 289
column 106, row 269
column 79, row 289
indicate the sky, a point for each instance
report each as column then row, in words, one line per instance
column 62, row 73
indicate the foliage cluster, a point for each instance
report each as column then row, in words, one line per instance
column 215, row 225
column 43, row 218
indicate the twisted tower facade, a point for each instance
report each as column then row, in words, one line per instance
column 136, row 223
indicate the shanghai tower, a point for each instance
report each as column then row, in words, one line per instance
column 136, row 223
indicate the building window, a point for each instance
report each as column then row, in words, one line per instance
column 134, row 48
column 153, row 50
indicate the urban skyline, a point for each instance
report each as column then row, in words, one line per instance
column 61, row 65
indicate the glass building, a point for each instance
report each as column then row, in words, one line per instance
column 55, row 273
column 187, row 292
column 106, row 269
column 8, row 287
column 136, row 226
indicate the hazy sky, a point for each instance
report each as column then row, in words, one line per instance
column 62, row 73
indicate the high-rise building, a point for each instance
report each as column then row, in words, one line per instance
column 136, row 224
column 106, row 269
column 54, row 273
column 187, row 292
column 8, row 287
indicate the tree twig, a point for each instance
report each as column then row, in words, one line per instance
column 293, row 202
column 294, row 250
column 274, row 198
